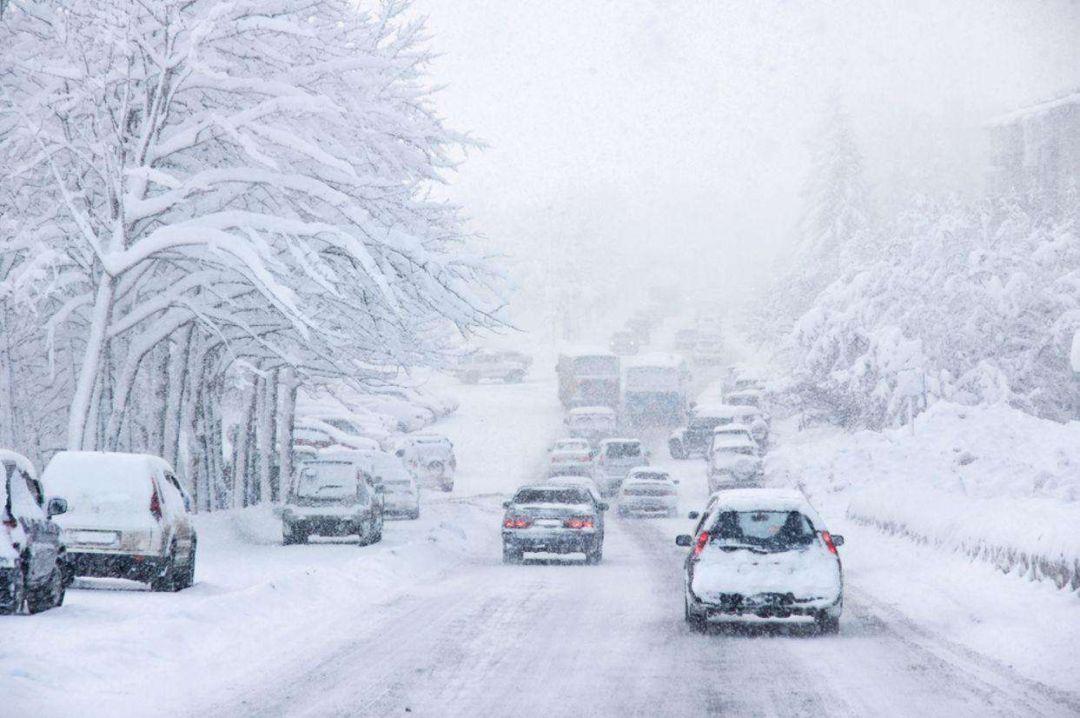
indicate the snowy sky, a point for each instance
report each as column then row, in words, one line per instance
column 650, row 129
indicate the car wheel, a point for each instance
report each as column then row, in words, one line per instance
column 512, row 555
column 48, row 595
column 378, row 532
column 415, row 514
column 187, row 578
column 12, row 591
column 166, row 579
column 447, row 488
column 826, row 624
column 695, row 620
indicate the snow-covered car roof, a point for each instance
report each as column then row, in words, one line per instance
column 725, row 411
column 592, row 410
column 647, row 473
column 619, row 440
column 733, row 429
column 18, row 461
column 585, row 351
column 765, row 500
column 98, row 465
column 654, row 359
column 733, row 441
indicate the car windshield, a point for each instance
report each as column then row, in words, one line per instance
column 765, row 530
column 623, row 450
column 329, row 480
column 552, row 496
column 651, row 476
column 738, row 450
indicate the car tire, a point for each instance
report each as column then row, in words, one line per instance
column 49, row 595
column 512, row 555
column 166, row 578
column 695, row 620
column 187, row 578
column 414, row 514
column 13, row 591
column 827, row 625
column 676, row 449
column 447, row 488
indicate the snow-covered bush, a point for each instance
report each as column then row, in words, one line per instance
column 976, row 304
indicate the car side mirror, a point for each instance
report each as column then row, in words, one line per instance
column 837, row 540
column 695, row 515
column 684, row 540
column 603, row 506
column 56, row 506
column 506, row 504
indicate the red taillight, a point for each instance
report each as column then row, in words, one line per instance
column 516, row 522
column 702, row 540
column 828, row 542
column 579, row 522
column 10, row 523
column 155, row 505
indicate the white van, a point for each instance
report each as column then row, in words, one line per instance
column 127, row 517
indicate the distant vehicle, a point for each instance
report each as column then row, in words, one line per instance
column 686, row 340
column 430, row 458
column 580, row 482
column 575, row 461
column 127, row 517
column 33, row 563
column 734, row 462
column 745, row 397
column 509, row 367
column 641, row 327
column 654, row 389
column 765, row 553
column 331, row 497
column 400, row 496
column 695, row 438
column 624, row 343
column 613, row 460
column 648, row 492
column 570, row 445
column 312, row 433
column 592, row 423
column 588, row 378
column 551, row 518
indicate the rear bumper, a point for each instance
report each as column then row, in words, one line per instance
column 647, row 507
column 769, row 605
column 568, row 541
column 137, row 567
column 325, row 525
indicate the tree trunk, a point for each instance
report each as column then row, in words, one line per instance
column 289, row 385
column 79, row 413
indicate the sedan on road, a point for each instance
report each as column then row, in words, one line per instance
column 648, row 492
column 763, row 553
column 550, row 518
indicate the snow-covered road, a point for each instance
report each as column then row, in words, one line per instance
column 432, row 622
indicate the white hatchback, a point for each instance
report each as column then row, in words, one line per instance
column 763, row 553
column 648, row 492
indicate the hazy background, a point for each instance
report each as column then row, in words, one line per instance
column 637, row 137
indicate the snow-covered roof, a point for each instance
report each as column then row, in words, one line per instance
column 620, row 440
column 638, row 471
column 18, row 460
column 585, row 351
column 732, row 429
column 102, row 463
column 1072, row 98
column 761, row 500
column 654, row 359
column 733, row 441
column 725, row 411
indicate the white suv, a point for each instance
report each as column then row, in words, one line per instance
column 127, row 517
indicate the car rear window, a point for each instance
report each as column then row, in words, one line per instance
column 623, row 450
column 330, row 480
column 100, row 483
column 651, row 476
column 551, row 496
column 769, row 530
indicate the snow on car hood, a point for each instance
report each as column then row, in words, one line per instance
column 805, row 572
column 735, row 463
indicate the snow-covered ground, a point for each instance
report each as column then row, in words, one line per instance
column 433, row 622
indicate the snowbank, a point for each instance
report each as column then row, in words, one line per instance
column 992, row 482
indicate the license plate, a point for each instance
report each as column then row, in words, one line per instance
column 95, row 538
column 548, row 523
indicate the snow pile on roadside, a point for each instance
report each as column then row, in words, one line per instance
column 989, row 481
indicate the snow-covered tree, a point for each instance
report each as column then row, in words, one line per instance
column 217, row 185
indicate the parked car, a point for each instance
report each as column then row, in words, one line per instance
column 624, row 343
column 331, row 497
column 430, row 458
column 613, row 460
column 588, row 377
column 551, row 518
column 509, row 367
column 766, row 553
column 33, row 562
column 128, row 517
column 400, row 494
column 650, row 492
column 729, row 431
column 592, row 423
column 734, row 462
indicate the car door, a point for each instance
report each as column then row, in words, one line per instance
column 42, row 535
